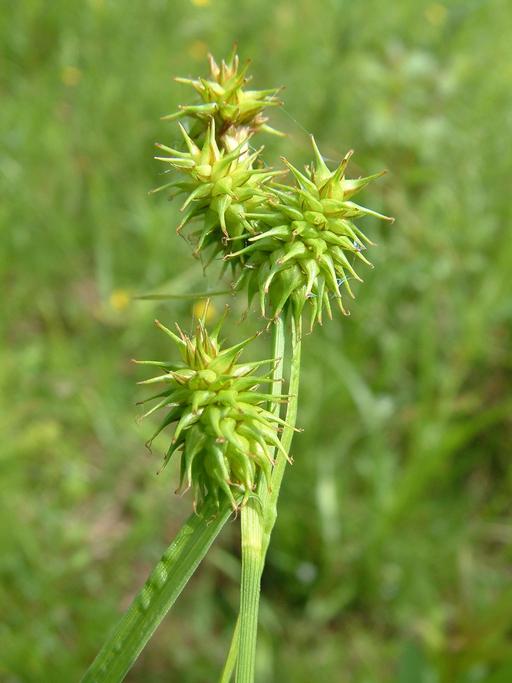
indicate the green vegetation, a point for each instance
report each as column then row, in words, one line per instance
column 391, row 557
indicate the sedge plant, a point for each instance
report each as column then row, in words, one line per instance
column 290, row 248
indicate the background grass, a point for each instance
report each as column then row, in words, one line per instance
column 391, row 560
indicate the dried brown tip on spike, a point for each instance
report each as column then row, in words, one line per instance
column 181, row 333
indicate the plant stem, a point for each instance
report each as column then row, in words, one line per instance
column 270, row 507
column 252, row 518
column 158, row 594
column 268, row 496
column 252, row 545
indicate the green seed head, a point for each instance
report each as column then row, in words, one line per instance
column 220, row 187
column 238, row 112
column 307, row 241
column 222, row 425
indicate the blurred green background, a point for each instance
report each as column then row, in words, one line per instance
column 391, row 560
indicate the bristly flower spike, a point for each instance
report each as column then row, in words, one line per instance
column 306, row 241
column 222, row 426
column 238, row 112
column 220, row 188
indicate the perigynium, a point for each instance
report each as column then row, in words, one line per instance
column 288, row 245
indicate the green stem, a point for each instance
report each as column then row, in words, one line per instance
column 158, row 594
column 252, row 545
column 270, row 506
column 252, row 526
column 258, row 529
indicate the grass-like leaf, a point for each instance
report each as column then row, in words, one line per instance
column 157, row 596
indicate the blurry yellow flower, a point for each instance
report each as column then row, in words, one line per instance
column 198, row 50
column 436, row 13
column 71, row 76
column 200, row 3
column 204, row 307
column 119, row 299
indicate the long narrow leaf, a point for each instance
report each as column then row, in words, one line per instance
column 158, row 594
column 194, row 295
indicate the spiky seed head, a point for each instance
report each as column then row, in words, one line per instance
column 307, row 241
column 220, row 189
column 238, row 112
column 224, row 426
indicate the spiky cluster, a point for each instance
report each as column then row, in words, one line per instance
column 238, row 113
column 287, row 244
column 222, row 428
column 221, row 188
column 306, row 240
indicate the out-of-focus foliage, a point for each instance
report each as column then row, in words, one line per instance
column 392, row 554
